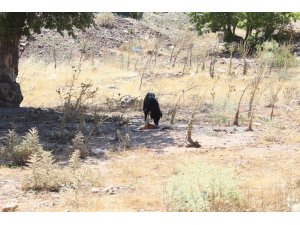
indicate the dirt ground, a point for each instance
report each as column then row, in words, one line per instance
column 134, row 179
column 120, row 61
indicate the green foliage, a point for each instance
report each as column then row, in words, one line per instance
column 225, row 21
column 202, row 187
column 263, row 23
column 271, row 53
column 134, row 15
column 296, row 15
column 17, row 24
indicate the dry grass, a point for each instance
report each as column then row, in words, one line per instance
column 268, row 179
column 268, row 171
column 41, row 82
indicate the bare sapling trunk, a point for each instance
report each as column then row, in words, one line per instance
column 213, row 60
column 249, row 128
column 231, row 49
column 10, row 92
column 244, row 49
column 191, row 54
column 212, row 66
column 172, row 52
column 274, row 100
column 198, row 65
column 176, row 55
column 190, row 142
column 203, row 64
column 175, row 108
column 237, row 114
column 251, row 102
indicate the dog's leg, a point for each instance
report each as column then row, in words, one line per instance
column 146, row 118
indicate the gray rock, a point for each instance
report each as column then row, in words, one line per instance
column 99, row 151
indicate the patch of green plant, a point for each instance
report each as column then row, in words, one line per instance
column 199, row 187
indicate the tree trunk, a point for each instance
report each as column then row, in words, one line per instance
column 10, row 92
column 248, row 32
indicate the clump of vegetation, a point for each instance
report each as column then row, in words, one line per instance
column 277, row 56
column 45, row 175
column 79, row 144
column 202, row 187
column 12, row 139
column 134, row 15
column 124, row 140
column 74, row 103
column 256, row 24
column 19, row 149
column 105, row 19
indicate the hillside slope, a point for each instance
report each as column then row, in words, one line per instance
column 103, row 40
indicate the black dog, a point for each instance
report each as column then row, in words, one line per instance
column 151, row 106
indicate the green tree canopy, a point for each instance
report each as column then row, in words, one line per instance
column 26, row 23
column 264, row 23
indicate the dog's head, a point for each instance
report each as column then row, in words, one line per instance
column 156, row 120
column 150, row 95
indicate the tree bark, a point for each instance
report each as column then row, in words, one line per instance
column 10, row 92
column 248, row 32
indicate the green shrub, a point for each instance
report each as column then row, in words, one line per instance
column 270, row 52
column 134, row 15
column 202, row 187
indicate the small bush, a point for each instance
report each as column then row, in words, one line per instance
column 44, row 174
column 12, row 139
column 18, row 150
column 79, row 144
column 202, row 187
column 134, row 15
column 279, row 55
column 105, row 19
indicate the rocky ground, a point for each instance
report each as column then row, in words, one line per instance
column 100, row 41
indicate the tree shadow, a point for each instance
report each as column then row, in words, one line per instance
column 47, row 122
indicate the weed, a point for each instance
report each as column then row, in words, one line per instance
column 105, row 19
column 18, row 150
column 44, row 174
column 202, row 187
column 79, row 144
